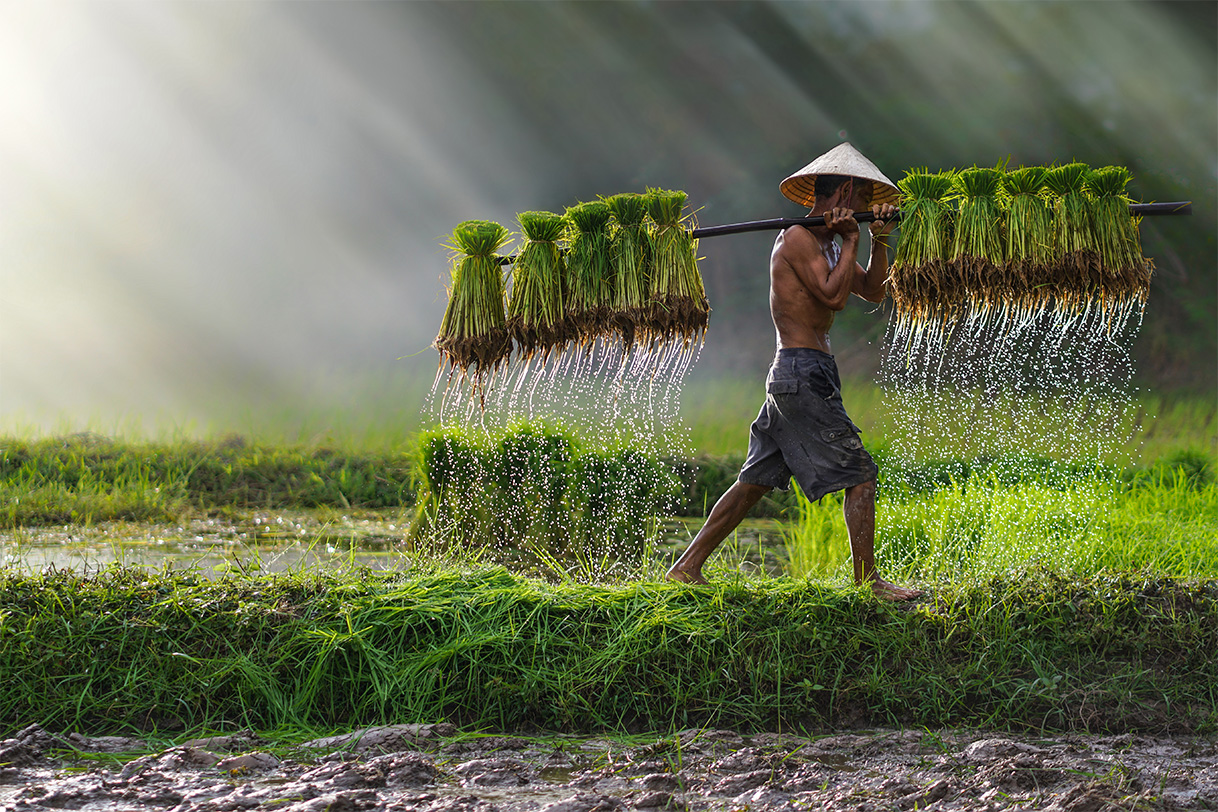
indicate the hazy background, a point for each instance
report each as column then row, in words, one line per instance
column 212, row 213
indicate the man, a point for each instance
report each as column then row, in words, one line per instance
column 803, row 430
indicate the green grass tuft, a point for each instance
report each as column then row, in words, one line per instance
column 124, row 650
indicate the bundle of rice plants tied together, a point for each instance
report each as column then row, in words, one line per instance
column 473, row 332
column 590, row 283
column 977, row 250
column 631, row 253
column 1029, row 224
column 1074, row 251
column 1125, row 270
column 536, row 317
column 679, row 308
column 917, row 273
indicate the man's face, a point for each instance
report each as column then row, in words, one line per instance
column 851, row 195
column 860, row 196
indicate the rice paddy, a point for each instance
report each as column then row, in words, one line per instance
column 1025, row 574
column 526, row 532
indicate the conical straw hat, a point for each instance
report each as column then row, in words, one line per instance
column 843, row 159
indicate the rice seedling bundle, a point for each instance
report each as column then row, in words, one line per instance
column 976, row 265
column 474, row 332
column 590, row 284
column 926, row 233
column 631, row 252
column 1075, row 254
column 1029, row 224
column 679, row 308
column 534, row 497
column 536, row 316
column 1125, row 270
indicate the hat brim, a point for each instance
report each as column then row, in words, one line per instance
column 843, row 159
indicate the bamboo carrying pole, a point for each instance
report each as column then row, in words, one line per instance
column 1135, row 209
column 1180, row 207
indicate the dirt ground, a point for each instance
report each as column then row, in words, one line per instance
column 429, row 768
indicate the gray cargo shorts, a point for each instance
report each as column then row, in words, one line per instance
column 803, row 430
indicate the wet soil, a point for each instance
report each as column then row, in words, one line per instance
column 432, row 768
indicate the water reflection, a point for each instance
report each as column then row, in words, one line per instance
column 251, row 543
column 279, row 541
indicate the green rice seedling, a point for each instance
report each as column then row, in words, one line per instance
column 1125, row 271
column 536, row 318
column 976, row 264
column 1029, row 224
column 473, row 333
column 621, row 492
column 631, row 253
column 817, row 543
column 1075, row 253
column 917, row 273
column 679, row 309
column 979, row 527
column 590, row 290
column 451, row 475
column 534, row 498
column 532, row 466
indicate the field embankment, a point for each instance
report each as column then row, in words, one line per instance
column 130, row 649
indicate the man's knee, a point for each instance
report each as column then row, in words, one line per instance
column 744, row 493
column 863, row 490
column 749, row 489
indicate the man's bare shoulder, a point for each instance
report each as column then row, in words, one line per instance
column 794, row 243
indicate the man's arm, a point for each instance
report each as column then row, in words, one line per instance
column 872, row 284
column 799, row 249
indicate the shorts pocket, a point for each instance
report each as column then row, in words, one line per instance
column 783, row 387
column 843, row 436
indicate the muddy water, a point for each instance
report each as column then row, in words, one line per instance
column 253, row 541
column 276, row 541
column 430, row 768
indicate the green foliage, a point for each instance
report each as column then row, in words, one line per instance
column 536, row 315
column 679, row 308
column 127, row 649
column 473, row 332
column 1116, row 233
column 534, row 497
column 1029, row 223
column 82, row 479
column 967, row 526
column 631, row 251
column 927, row 227
column 1074, row 240
column 1035, row 237
column 978, row 249
column 590, row 270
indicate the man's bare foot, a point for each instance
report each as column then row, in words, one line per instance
column 683, row 577
column 892, row 592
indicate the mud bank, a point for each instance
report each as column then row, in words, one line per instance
column 430, row 768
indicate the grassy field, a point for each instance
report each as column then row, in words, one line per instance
column 126, row 649
column 1162, row 521
column 1062, row 595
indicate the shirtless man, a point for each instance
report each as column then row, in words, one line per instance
column 803, row 430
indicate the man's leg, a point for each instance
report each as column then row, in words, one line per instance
column 859, row 507
column 724, row 517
